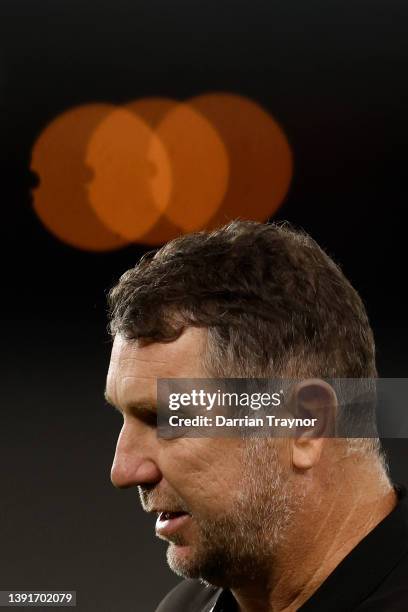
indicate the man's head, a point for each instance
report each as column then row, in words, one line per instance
column 248, row 300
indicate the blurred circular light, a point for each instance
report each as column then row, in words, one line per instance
column 156, row 168
column 128, row 160
column 260, row 157
column 61, row 198
column 199, row 165
column 152, row 110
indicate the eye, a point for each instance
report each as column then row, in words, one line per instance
column 145, row 414
column 151, row 419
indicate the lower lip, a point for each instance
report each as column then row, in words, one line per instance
column 170, row 526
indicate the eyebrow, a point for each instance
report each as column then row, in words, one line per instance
column 144, row 410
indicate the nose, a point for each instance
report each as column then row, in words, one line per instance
column 135, row 457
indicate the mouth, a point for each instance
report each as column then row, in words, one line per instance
column 168, row 523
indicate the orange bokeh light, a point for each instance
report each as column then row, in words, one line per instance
column 156, row 168
column 61, row 198
column 152, row 110
column 260, row 157
column 132, row 179
column 199, row 164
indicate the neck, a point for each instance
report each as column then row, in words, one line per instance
column 333, row 520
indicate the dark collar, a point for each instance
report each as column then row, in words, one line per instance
column 360, row 573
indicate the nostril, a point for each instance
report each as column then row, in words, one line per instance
column 138, row 472
column 147, row 473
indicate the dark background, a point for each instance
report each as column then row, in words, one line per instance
column 334, row 75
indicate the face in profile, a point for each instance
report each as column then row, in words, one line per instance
column 223, row 504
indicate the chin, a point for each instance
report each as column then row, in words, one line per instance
column 182, row 561
column 209, row 567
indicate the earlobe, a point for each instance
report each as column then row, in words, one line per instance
column 306, row 452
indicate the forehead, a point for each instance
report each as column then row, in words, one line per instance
column 134, row 369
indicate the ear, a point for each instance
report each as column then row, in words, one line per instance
column 312, row 399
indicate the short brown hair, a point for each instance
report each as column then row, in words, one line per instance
column 274, row 303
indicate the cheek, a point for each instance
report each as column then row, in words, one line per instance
column 207, row 471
